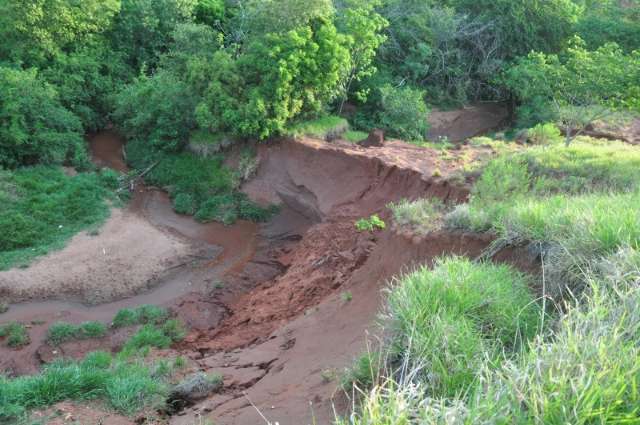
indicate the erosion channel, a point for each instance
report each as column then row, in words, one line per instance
column 265, row 304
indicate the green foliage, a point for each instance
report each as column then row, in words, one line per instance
column 355, row 136
column 209, row 12
column 421, row 216
column 544, row 134
column 34, row 126
column 15, row 334
column 142, row 30
column 524, row 26
column 611, row 21
column 370, row 224
column 252, row 97
column 404, row 113
column 362, row 374
column 144, row 314
column 42, row 208
column 446, row 320
column 148, row 336
column 125, row 386
column 592, row 81
column 35, row 31
column 451, row 54
column 326, row 128
column 85, row 81
column 362, row 25
column 204, row 187
column 60, row 332
column 158, row 110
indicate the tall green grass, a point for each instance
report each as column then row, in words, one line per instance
column 449, row 319
column 586, row 371
column 125, row 386
column 41, row 208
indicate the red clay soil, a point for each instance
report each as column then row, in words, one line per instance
column 283, row 339
column 279, row 329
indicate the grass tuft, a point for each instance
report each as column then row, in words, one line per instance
column 15, row 334
column 448, row 320
column 326, row 128
column 422, row 216
column 60, row 332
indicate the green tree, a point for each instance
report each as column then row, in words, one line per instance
column 209, row 12
column 142, row 30
column 577, row 87
column 542, row 25
column 362, row 25
column 35, row 31
column 86, row 79
column 279, row 77
column 157, row 110
column 34, row 126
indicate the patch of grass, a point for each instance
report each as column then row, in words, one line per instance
column 421, row 216
column 370, row 224
column 363, row 373
column 41, row 208
column 147, row 336
column 205, row 188
column 544, row 134
column 60, row 332
column 446, row 320
column 346, row 296
column 326, row 128
column 124, row 386
column 15, row 334
column 144, row 314
column 354, row 136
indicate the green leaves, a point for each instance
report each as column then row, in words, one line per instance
column 34, row 126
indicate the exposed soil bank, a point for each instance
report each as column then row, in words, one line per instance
column 265, row 306
column 468, row 122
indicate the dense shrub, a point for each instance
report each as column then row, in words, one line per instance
column 157, row 111
column 403, row 112
column 34, row 126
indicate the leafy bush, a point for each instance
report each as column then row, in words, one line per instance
column 421, row 216
column 370, row 224
column 589, row 82
column 158, row 110
column 448, row 320
column 34, row 126
column 404, row 113
column 43, row 208
column 15, row 334
column 544, row 134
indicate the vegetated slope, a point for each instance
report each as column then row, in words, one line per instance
column 572, row 208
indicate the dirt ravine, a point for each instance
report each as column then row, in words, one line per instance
column 266, row 304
